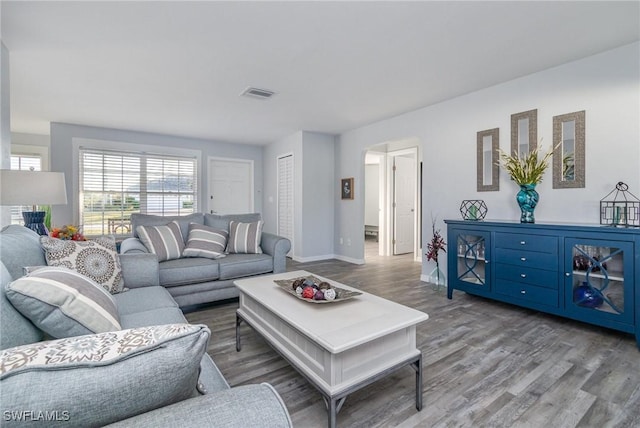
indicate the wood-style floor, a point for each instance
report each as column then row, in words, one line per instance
column 485, row 364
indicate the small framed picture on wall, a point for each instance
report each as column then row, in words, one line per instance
column 346, row 188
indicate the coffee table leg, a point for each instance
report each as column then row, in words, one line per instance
column 417, row 366
column 238, row 322
column 333, row 412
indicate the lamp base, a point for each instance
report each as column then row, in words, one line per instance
column 34, row 220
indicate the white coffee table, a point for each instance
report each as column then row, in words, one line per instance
column 338, row 347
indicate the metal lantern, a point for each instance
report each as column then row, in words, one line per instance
column 623, row 210
column 473, row 209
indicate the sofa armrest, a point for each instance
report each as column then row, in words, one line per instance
column 140, row 270
column 133, row 246
column 239, row 407
column 277, row 247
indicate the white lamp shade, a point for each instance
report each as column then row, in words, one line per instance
column 32, row 188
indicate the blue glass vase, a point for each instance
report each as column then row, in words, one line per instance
column 527, row 199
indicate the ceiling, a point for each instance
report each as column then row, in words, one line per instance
column 178, row 67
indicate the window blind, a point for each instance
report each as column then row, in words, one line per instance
column 113, row 185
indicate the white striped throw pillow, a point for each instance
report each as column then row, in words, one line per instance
column 244, row 238
column 64, row 303
column 164, row 241
column 205, row 241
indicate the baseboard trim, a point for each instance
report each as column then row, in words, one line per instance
column 349, row 259
column 313, row 258
column 328, row 257
column 430, row 279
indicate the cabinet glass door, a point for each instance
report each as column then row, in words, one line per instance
column 600, row 278
column 472, row 258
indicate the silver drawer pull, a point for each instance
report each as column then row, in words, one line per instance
column 567, row 274
column 522, row 275
column 523, row 291
column 523, row 259
column 523, row 242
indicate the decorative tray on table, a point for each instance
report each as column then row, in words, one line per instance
column 314, row 290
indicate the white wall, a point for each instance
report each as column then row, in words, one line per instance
column 62, row 136
column 314, row 192
column 5, row 125
column 606, row 85
column 371, row 194
column 319, row 189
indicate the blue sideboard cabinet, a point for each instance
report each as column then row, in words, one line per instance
column 589, row 273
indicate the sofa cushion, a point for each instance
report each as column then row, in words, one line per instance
column 152, row 317
column 240, row 265
column 15, row 328
column 94, row 380
column 138, row 219
column 64, row 303
column 244, row 238
column 164, row 241
column 143, row 299
column 205, row 241
column 245, row 406
column 222, row 221
column 20, row 247
column 96, row 259
column 188, row 271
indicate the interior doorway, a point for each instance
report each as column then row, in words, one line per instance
column 392, row 197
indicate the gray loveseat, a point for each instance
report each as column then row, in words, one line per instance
column 137, row 390
column 194, row 280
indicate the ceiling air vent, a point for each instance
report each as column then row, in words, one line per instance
column 262, row 94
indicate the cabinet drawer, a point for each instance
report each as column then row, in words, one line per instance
column 531, row 259
column 530, row 293
column 527, row 275
column 542, row 244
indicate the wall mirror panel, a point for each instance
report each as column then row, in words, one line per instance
column 524, row 132
column 487, row 144
column 569, row 150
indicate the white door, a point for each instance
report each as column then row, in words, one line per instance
column 230, row 186
column 285, row 198
column 404, row 191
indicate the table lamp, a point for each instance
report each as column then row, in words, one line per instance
column 32, row 188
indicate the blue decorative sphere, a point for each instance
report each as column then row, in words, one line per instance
column 586, row 296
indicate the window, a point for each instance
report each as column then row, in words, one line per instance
column 23, row 162
column 113, row 185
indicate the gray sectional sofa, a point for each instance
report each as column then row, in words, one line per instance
column 153, row 372
column 194, row 280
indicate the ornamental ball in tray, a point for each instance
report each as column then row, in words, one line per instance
column 314, row 290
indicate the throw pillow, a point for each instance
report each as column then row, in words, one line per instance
column 205, row 241
column 129, row 371
column 244, row 238
column 96, row 259
column 164, row 241
column 63, row 303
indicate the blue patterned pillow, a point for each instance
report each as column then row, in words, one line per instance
column 96, row 259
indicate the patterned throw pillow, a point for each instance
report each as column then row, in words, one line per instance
column 96, row 259
column 134, row 371
column 244, row 238
column 205, row 241
column 64, row 303
column 164, row 241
